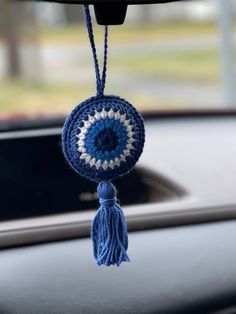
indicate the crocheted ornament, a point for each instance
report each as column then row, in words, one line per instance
column 102, row 139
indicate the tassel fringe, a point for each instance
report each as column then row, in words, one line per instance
column 109, row 231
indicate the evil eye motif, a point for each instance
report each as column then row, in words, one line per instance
column 106, row 140
column 103, row 137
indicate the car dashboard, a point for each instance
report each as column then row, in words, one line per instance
column 180, row 206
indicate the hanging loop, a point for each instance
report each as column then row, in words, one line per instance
column 100, row 80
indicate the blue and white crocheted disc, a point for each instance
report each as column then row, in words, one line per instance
column 103, row 137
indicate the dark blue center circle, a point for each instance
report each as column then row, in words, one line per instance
column 106, row 140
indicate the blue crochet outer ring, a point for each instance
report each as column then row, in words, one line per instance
column 103, row 137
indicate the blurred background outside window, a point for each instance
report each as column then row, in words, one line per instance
column 174, row 56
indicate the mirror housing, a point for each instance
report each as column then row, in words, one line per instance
column 109, row 12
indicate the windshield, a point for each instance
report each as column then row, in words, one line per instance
column 176, row 56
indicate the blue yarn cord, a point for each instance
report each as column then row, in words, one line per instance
column 108, row 230
column 100, row 80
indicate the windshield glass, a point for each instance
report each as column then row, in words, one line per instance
column 175, row 56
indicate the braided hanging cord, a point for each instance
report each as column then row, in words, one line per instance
column 100, row 81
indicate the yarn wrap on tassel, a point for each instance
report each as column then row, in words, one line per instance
column 108, row 230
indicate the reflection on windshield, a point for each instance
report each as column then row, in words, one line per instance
column 165, row 57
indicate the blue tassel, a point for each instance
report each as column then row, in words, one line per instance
column 109, row 231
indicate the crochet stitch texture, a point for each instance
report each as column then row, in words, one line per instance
column 103, row 137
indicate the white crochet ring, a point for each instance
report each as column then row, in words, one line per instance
column 112, row 158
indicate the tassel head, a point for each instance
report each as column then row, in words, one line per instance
column 108, row 230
